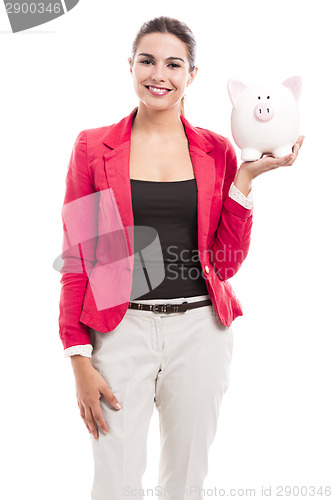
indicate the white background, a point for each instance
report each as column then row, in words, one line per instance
column 275, row 425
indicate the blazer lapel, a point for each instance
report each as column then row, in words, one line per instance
column 116, row 164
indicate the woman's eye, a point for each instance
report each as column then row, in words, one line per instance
column 171, row 64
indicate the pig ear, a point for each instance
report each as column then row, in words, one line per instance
column 294, row 83
column 235, row 88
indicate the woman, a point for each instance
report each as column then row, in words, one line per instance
column 183, row 182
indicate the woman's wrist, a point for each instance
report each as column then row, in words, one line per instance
column 80, row 361
column 243, row 180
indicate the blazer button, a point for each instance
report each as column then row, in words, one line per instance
column 207, row 269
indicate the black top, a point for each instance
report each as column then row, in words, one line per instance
column 170, row 208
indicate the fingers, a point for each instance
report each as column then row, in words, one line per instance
column 97, row 414
column 89, row 404
column 272, row 162
column 83, row 416
column 92, row 415
column 288, row 160
column 296, row 149
column 96, row 409
column 91, row 422
column 300, row 141
column 111, row 398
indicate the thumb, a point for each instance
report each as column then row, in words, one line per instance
column 111, row 398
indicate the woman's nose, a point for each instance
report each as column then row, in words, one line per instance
column 158, row 72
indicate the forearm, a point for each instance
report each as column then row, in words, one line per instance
column 80, row 362
column 72, row 331
column 243, row 180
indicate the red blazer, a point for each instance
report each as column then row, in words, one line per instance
column 99, row 163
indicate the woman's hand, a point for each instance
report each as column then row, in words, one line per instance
column 251, row 169
column 90, row 385
column 258, row 167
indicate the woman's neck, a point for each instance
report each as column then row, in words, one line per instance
column 158, row 123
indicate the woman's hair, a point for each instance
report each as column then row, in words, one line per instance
column 165, row 24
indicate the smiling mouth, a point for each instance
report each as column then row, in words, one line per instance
column 161, row 89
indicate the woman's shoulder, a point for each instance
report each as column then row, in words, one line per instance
column 95, row 137
column 99, row 132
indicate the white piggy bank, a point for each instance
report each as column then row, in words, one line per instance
column 264, row 118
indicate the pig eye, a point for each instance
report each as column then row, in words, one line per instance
column 258, row 96
column 268, row 97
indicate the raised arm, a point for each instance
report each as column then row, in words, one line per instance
column 232, row 241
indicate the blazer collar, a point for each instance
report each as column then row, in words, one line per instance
column 121, row 133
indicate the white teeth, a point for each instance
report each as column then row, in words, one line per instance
column 160, row 91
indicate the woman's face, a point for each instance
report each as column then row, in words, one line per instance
column 161, row 60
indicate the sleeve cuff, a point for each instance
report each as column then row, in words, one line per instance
column 83, row 350
column 245, row 201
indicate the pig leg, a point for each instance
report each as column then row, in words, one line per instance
column 250, row 154
column 282, row 151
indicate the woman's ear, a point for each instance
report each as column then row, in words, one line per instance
column 192, row 76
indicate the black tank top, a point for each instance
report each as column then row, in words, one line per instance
column 171, row 209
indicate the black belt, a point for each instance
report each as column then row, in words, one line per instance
column 169, row 308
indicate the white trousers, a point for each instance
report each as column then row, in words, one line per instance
column 178, row 361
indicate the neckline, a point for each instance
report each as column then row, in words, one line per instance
column 163, row 182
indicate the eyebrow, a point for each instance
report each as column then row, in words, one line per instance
column 167, row 59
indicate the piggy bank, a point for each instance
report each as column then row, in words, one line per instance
column 264, row 118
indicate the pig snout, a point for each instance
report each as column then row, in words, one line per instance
column 264, row 111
